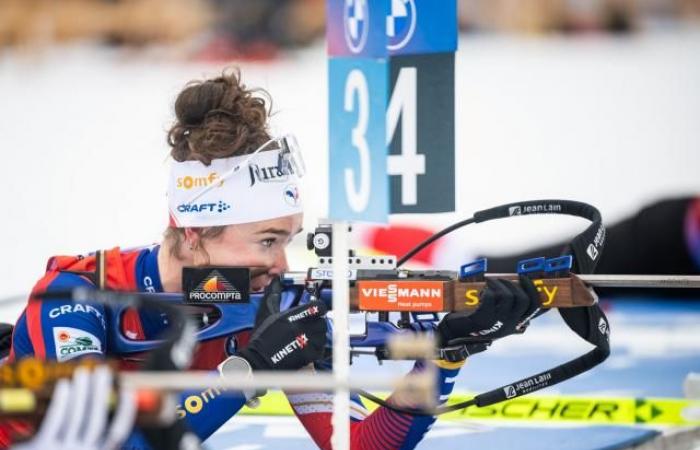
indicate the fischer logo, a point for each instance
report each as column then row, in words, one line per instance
column 298, row 343
column 215, row 287
column 496, row 326
column 306, row 313
column 203, row 207
column 188, row 182
column 534, row 209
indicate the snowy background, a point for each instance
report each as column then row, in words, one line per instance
column 610, row 121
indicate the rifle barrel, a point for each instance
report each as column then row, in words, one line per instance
column 642, row 281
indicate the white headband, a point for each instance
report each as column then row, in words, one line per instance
column 241, row 189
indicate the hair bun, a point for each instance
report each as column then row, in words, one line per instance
column 196, row 100
column 218, row 118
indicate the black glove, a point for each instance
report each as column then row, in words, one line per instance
column 286, row 340
column 505, row 307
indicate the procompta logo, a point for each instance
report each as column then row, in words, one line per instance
column 216, row 285
column 215, row 288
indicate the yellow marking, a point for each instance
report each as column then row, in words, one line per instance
column 544, row 408
column 196, row 402
column 193, row 404
column 31, row 373
column 472, row 296
column 17, row 400
column 550, row 294
column 448, row 365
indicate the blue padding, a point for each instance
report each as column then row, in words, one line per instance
column 473, row 268
column 531, row 265
column 559, row 264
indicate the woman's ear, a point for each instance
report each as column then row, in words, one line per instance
column 192, row 238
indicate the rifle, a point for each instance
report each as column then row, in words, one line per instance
column 380, row 286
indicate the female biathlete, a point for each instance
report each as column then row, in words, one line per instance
column 230, row 204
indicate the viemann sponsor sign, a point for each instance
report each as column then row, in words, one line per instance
column 422, row 296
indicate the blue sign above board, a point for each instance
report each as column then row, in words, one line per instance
column 381, row 28
column 421, row 26
column 357, row 27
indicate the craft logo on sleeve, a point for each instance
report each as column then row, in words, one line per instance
column 73, row 342
column 423, row 296
column 216, row 285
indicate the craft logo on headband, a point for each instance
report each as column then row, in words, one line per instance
column 254, row 187
column 203, row 207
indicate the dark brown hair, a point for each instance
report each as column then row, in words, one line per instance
column 216, row 118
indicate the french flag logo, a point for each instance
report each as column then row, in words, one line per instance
column 291, row 195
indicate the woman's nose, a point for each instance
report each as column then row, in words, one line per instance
column 280, row 264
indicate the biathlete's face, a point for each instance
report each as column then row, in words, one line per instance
column 260, row 245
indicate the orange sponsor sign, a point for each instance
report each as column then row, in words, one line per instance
column 404, row 295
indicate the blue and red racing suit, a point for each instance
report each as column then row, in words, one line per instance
column 59, row 329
